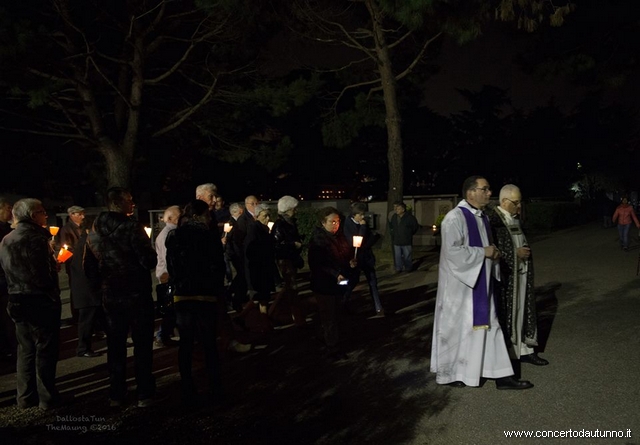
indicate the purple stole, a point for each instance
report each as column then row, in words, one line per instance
column 480, row 291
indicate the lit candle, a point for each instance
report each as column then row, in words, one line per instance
column 64, row 254
column 148, row 230
column 357, row 242
column 270, row 225
column 227, row 228
column 53, row 230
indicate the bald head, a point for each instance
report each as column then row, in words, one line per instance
column 171, row 215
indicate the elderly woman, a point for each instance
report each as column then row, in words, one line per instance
column 331, row 267
column 259, row 254
column 34, row 305
column 288, row 245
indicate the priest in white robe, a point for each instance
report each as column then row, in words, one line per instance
column 468, row 343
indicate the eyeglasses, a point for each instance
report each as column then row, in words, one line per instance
column 333, row 223
column 484, row 189
column 515, row 203
column 40, row 211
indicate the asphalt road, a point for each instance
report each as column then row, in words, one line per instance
column 286, row 392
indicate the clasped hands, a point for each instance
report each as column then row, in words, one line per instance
column 492, row 252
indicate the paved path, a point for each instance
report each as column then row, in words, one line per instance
column 383, row 393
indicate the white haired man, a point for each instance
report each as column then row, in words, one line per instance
column 516, row 302
column 170, row 217
column 27, row 259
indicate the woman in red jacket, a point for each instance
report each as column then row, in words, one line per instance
column 623, row 215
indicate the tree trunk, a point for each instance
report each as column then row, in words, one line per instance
column 393, row 120
column 118, row 166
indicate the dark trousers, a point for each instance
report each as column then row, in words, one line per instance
column 88, row 317
column 140, row 318
column 372, row 280
column 37, row 320
column 239, row 284
column 8, row 342
column 328, row 311
column 197, row 319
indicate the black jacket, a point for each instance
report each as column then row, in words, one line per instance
column 195, row 260
column 28, row 261
column 329, row 256
column 285, row 234
column 259, row 254
column 84, row 292
column 124, row 255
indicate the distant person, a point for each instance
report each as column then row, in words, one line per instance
column 31, row 272
column 125, row 258
column 356, row 225
column 68, row 236
column 208, row 193
column 331, row 268
column 170, row 217
column 624, row 216
column 516, row 303
column 234, row 248
column 260, row 259
column 403, row 226
column 468, row 343
column 196, row 268
column 7, row 327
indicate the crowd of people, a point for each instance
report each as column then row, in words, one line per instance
column 210, row 261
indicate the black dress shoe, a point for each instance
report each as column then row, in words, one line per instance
column 512, row 383
column 90, row 354
column 457, row 384
column 534, row 360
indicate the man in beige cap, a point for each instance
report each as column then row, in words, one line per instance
column 69, row 236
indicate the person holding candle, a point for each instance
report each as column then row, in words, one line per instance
column 331, row 264
column 259, row 254
column 354, row 226
column 34, row 304
column 68, row 236
column 288, row 245
column 125, row 260
column 234, row 249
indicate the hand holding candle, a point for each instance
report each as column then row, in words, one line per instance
column 357, row 242
column 64, row 254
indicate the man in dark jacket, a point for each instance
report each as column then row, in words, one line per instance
column 125, row 260
column 34, row 303
column 196, row 266
column 69, row 236
column 403, row 226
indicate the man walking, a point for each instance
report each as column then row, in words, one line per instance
column 516, row 303
column 467, row 340
column 403, row 226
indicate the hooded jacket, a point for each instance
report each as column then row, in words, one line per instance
column 125, row 256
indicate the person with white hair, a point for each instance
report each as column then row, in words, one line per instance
column 27, row 258
column 288, row 245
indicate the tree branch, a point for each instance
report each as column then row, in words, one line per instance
column 418, row 57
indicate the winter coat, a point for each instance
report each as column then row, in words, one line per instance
column 329, row 256
column 195, row 260
column 28, row 262
column 403, row 228
column 259, row 255
column 125, row 258
column 84, row 292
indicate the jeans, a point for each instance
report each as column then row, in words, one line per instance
column 198, row 319
column 402, row 258
column 140, row 318
column 372, row 279
column 623, row 232
column 37, row 320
